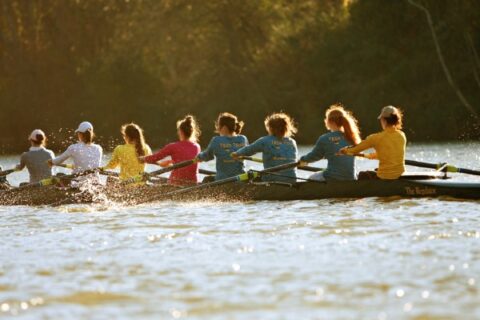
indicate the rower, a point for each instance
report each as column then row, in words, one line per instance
column 343, row 132
column 389, row 147
column 277, row 148
column 35, row 159
column 186, row 148
column 85, row 154
column 126, row 155
column 220, row 147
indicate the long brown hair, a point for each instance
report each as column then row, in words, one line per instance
column 135, row 134
column 280, row 125
column 189, row 127
column 87, row 136
column 230, row 121
column 344, row 119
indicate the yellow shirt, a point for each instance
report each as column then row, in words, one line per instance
column 125, row 156
column 389, row 148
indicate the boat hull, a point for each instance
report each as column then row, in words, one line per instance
column 245, row 192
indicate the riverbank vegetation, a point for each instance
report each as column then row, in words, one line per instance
column 114, row 61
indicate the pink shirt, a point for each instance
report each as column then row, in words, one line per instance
column 179, row 151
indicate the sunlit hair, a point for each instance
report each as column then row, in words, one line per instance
column 87, row 136
column 189, row 127
column 280, row 125
column 40, row 140
column 230, row 121
column 345, row 120
column 134, row 134
column 395, row 119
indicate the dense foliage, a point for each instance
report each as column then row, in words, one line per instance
column 152, row 61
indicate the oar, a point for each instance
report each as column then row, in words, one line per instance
column 55, row 179
column 242, row 177
column 7, row 172
column 100, row 170
column 443, row 167
column 146, row 175
column 304, row 168
column 207, row 172
column 65, row 165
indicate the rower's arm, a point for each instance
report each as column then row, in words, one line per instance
column 159, row 155
column 317, row 153
column 251, row 149
column 208, row 153
column 63, row 157
column 364, row 145
column 114, row 161
column 22, row 164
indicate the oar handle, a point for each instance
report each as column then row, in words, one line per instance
column 7, row 172
column 65, row 165
column 175, row 166
column 207, row 172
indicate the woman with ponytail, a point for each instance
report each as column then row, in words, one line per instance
column 389, row 147
column 126, row 155
column 37, row 157
column 343, row 132
column 220, row 147
column 186, row 148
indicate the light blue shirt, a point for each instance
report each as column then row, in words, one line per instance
column 220, row 147
column 327, row 147
column 275, row 151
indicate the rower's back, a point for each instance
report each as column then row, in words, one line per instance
column 390, row 147
column 36, row 162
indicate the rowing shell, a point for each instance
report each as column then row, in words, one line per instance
column 51, row 195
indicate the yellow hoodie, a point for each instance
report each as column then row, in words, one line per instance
column 389, row 148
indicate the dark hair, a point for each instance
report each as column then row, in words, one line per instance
column 395, row 119
column 40, row 139
column 135, row 134
column 189, row 127
column 87, row 136
column 280, row 125
column 230, row 121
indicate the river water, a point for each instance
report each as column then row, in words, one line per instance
column 325, row 259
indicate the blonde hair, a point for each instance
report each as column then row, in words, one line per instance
column 344, row 119
column 280, row 125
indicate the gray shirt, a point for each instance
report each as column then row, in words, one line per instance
column 36, row 162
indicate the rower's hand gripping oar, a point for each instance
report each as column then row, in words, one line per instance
column 53, row 180
column 304, row 168
column 7, row 172
column 248, row 176
column 143, row 177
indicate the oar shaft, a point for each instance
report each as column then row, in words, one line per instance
column 304, row 168
column 207, row 172
column 175, row 166
column 7, row 172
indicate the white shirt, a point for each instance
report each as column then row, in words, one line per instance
column 85, row 156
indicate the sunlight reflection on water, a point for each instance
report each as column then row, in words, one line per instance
column 333, row 259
